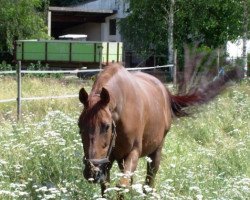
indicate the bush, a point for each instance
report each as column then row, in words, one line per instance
column 40, row 67
column 5, row 67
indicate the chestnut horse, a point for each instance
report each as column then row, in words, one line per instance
column 126, row 116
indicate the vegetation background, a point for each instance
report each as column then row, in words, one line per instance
column 210, row 23
column 205, row 156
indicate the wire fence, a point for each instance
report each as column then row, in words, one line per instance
column 7, row 100
column 19, row 73
column 7, row 72
column 78, row 71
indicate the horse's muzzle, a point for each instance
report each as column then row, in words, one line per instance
column 94, row 173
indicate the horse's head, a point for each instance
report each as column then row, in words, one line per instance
column 97, row 132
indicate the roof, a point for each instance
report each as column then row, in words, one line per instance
column 65, row 17
column 80, row 10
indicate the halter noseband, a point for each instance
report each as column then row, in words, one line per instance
column 111, row 146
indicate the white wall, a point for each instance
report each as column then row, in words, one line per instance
column 92, row 30
column 234, row 49
column 121, row 11
column 105, row 31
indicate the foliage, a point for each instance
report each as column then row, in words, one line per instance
column 204, row 157
column 20, row 20
column 5, row 67
column 145, row 27
column 211, row 23
column 38, row 66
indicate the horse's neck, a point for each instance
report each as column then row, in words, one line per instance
column 121, row 87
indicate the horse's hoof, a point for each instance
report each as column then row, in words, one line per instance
column 124, row 182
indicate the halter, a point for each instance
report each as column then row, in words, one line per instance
column 105, row 160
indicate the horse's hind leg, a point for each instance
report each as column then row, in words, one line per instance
column 153, row 166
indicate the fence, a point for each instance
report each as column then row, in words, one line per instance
column 19, row 73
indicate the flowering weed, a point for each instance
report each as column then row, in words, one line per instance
column 205, row 156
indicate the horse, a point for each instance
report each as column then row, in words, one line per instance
column 126, row 116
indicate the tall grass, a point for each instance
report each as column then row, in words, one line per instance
column 205, row 156
column 39, row 87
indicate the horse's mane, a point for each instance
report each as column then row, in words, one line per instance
column 102, row 78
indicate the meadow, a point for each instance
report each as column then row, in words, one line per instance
column 205, row 156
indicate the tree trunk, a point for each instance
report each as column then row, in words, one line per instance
column 170, row 33
column 245, row 29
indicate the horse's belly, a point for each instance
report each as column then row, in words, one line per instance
column 152, row 139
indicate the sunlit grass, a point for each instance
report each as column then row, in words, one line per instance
column 40, row 87
column 206, row 156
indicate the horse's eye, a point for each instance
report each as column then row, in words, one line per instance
column 104, row 128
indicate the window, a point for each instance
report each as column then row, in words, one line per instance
column 112, row 27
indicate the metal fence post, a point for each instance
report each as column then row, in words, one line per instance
column 19, row 87
column 175, row 68
column 100, row 56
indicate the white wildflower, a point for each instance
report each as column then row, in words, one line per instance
column 148, row 159
column 199, row 196
column 112, row 189
column 172, row 165
column 195, row 188
column 138, row 188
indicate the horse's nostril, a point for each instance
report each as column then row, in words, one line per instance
column 96, row 169
column 87, row 163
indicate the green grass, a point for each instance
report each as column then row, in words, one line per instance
column 39, row 87
column 206, row 156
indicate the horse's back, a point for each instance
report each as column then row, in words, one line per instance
column 156, row 93
column 157, row 109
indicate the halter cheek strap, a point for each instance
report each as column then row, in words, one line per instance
column 111, row 146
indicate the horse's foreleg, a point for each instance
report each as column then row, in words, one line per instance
column 128, row 166
column 153, row 166
column 105, row 184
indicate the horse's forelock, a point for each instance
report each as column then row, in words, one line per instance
column 95, row 105
column 92, row 113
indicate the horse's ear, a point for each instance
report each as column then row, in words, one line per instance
column 105, row 97
column 83, row 97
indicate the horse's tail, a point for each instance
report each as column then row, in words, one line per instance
column 202, row 95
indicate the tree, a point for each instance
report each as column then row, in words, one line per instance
column 209, row 22
column 246, row 4
column 171, row 33
column 20, row 20
column 146, row 26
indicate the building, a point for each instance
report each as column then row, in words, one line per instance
column 95, row 18
column 98, row 20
